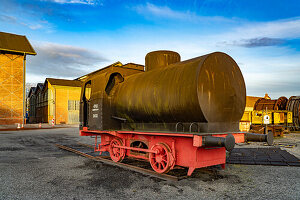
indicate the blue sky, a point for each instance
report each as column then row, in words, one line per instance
column 74, row 37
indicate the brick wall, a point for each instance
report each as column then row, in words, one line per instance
column 11, row 89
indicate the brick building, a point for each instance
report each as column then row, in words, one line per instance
column 13, row 51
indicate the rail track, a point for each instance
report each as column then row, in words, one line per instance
column 106, row 160
column 267, row 156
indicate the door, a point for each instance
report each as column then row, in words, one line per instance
column 73, row 111
column 86, row 103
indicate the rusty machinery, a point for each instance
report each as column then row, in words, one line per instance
column 277, row 109
column 173, row 113
column 293, row 105
column 276, row 104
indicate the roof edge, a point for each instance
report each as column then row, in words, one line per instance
column 10, row 50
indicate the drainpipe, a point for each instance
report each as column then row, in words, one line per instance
column 54, row 105
column 24, row 90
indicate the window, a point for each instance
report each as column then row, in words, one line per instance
column 87, row 91
column 50, row 94
column 73, row 105
column 77, row 105
column 114, row 79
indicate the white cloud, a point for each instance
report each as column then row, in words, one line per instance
column 242, row 32
column 261, row 33
column 287, row 28
column 270, row 69
column 87, row 2
column 33, row 25
column 150, row 10
column 56, row 60
column 276, row 75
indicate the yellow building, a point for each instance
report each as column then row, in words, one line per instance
column 246, row 119
column 13, row 51
column 60, row 101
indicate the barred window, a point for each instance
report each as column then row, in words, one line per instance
column 77, row 104
column 73, row 105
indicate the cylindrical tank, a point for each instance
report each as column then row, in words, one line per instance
column 208, row 88
column 293, row 105
column 158, row 59
column 276, row 104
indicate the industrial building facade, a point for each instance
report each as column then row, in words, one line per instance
column 56, row 100
column 13, row 51
column 61, row 101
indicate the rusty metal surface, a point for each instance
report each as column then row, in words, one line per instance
column 158, row 59
column 276, row 104
column 268, row 138
column 102, row 82
column 293, row 105
column 208, row 88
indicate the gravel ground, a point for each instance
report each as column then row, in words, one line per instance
column 31, row 167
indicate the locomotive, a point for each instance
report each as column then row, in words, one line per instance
column 172, row 113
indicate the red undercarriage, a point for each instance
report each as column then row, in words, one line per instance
column 162, row 150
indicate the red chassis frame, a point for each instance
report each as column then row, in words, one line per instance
column 165, row 150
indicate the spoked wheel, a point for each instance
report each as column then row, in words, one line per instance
column 116, row 154
column 161, row 161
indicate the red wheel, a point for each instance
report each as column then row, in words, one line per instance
column 116, row 154
column 161, row 161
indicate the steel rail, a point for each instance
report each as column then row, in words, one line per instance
column 122, row 165
column 86, row 145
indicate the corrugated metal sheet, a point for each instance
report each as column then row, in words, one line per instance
column 111, row 67
column 64, row 82
column 15, row 43
column 102, row 70
column 250, row 101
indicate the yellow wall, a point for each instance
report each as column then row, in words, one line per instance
column 58, row 103
column 11, row 89
column 250, row 101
